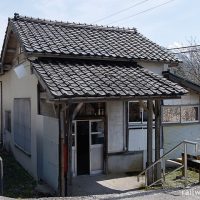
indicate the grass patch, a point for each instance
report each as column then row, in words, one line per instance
column 175, row 179
column 17, row 182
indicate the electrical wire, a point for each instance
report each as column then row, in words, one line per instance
column 144, row 11
column 185, row 47
column 120, row 11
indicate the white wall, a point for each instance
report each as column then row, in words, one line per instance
column 138, row 139
column 25, row 87
column 48, row 150
column 174, row 134
column 190, row 98
column 125, row 162
column 116, row 132
column 153, row 66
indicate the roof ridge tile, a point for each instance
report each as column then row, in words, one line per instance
column 73, row 24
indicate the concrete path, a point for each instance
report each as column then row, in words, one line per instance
column 104, row 184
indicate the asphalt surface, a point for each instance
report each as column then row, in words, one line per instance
column 191, row 193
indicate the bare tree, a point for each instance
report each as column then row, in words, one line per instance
column 190, row 66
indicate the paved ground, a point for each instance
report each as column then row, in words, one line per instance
column 192, row 193
column 104, row 184
column 121, row 188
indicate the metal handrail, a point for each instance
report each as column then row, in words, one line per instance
column 185, row 142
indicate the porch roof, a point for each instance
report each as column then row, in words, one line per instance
column 72, row 78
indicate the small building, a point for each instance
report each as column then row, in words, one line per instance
column 180, row 117
column 79, row 99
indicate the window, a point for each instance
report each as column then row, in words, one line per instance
column 171, row 114
column 180, row 114
column 22, row 124
column 97, row 135
column 137, row 111
column 189, row 113
column 8, row 121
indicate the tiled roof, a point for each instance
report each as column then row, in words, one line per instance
column 59, row 38
column 71, row 78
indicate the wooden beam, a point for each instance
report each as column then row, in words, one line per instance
column 113, row 98
column 44, row 95
column 62, row 126
column 7, row 66
column 11, row 50
column 50, row 55
column 42, row 83
column 76, row 110
column 157, row 138
column 105, row 145
column 126, row 125
column 149, row 140
column 68, row 141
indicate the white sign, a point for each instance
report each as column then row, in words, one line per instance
column 20, row 71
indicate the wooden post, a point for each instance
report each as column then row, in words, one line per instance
column 157, row 171
column 68, row 177
column 105, row 144
column 149, row 140
column 62, row 154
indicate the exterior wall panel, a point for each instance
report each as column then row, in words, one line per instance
column 26, row 87
column 175, row 134
column 115, row 126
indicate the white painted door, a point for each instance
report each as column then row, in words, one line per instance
column 96, row 146
column 96, row 140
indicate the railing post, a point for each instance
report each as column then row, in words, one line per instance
column 1, row 176
column 164, row 166
column 145, row 178
column 185, row 163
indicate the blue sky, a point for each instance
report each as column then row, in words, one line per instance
column 171, row 24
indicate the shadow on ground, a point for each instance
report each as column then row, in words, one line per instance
column 104, row 184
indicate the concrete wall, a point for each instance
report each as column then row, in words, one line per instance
column 48, row 150
column 138, row 139
column 125, row 162
column 175, row 134
column 26, row 87
column 116, row 129
column 190, row 98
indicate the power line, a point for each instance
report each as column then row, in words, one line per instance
column 181, row 52
column 185, row 47
column 144, row 11
column 120, row 11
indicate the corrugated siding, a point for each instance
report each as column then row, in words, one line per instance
column 22, row 123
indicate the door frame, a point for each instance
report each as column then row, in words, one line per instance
column 74, row 148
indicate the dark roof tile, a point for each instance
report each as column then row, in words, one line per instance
column 42, row 36
column 93, row 79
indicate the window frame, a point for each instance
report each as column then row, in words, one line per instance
column 180, row 115
column 22, row 146
column 101, row 133
column 142, row 110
